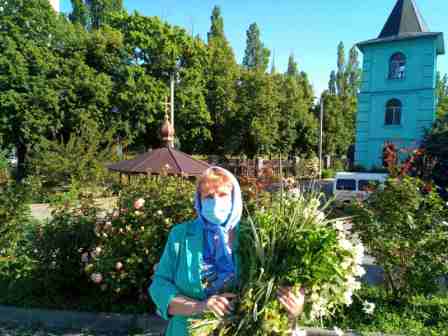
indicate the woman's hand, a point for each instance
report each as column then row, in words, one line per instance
column 292, row 302
column 220, row 304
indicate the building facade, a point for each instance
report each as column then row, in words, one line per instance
column 397, row 100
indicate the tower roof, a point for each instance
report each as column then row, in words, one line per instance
column 405, row 22
column 404, row 19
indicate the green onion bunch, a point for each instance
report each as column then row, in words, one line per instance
column 290, row 244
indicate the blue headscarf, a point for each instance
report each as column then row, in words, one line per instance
column 218, row 269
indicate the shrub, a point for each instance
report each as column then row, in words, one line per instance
column 404, row 227
column 55, row 246
column 418, row 316
column 81, row 158
column 328, row 173
column 14, row 214
column 132, row 238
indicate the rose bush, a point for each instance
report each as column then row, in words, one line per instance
column 54, row 246
column 131, row 238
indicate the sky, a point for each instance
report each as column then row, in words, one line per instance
column 310, row 29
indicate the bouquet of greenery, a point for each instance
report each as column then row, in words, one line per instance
column 290, row 244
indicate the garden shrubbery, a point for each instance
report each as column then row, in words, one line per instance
column 55, row 247
column 84, row 259
column 416, row 316
column 73, row 165
column 405, row 228
column 87, row 259
column 14, row 214
column 132, row 237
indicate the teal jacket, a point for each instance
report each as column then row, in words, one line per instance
column 178, row 273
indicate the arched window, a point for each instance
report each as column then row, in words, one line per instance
column 393, row 112
column 397, row 66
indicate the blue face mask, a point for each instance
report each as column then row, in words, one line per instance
column 216, row 210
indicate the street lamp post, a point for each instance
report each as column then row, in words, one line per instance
column 321, row 135
column 172, row 98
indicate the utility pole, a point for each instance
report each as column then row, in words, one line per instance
column 321, row 135
column 172, row 98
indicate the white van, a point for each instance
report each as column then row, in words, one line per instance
column 351, row 186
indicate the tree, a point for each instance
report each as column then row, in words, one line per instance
column 353, row 72
column 332, row 83
column 341, row 74
column 256, row 122
column 80, row 13
column 442, row 95
column 81, row 158
column 222, row 73
column 435, row 145
column 155, row 50
column 296, row 123
column 293, row 69
column 340, row 103
column 217, row 24
column 28, row 106
column 94, row 13
column 54, row 76
column 256, row 56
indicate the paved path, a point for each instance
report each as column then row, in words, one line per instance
column 43, row 211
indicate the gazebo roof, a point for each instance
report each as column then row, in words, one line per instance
column 163, row 160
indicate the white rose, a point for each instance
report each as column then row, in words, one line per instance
column 368, row 307
column 346, row 264
column 359, row 271
column 339, row 225
column 348, row 297
column 345, row 244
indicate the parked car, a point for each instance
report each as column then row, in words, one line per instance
column 348, row 187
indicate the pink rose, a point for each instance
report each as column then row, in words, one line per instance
column 96, row 278
column 118, row 265
column 138, row 204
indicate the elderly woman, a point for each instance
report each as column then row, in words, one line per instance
column 199, row 262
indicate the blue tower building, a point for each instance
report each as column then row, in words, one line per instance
column 397, row 100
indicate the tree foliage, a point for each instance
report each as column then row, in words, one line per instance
column 442, row 95
column 222, row 72
column 94, row 13
column 256, row 56
column 404, row 228
column 340, row 103
column 435, row 145
column 114, row 69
